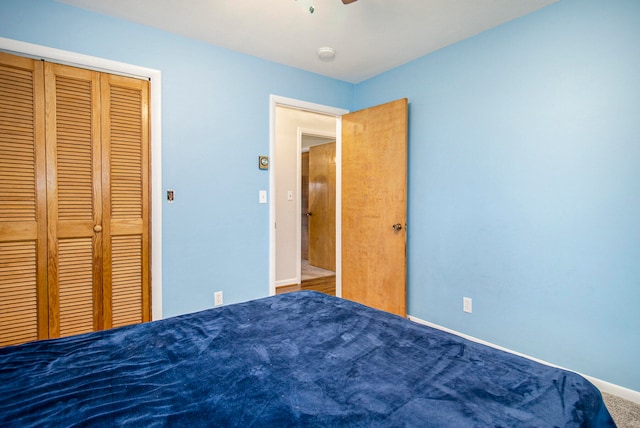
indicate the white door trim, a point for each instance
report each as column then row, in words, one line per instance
column 114, row 67
column 276, row 100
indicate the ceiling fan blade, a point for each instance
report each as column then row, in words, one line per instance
column 348, row 1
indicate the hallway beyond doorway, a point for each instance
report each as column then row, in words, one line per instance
column 313, row 278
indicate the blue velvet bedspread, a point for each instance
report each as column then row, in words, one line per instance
column 299, row 359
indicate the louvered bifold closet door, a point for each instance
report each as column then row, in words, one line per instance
column 125, row 150
column 23, row 230
column 74, row 199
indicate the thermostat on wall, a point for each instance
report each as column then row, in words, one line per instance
column 263, row 162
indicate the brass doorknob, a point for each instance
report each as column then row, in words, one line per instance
column 97, row 228
column 397, row 227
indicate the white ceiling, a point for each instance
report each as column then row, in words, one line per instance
column 369, row 36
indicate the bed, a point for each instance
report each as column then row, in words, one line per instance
column 297, row 359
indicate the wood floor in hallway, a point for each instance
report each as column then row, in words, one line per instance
column 313, row 278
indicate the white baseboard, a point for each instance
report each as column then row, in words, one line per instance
column 610, row 388
column 290, row 281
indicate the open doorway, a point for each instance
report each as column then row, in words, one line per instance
column 371, row 201
column 295, row 124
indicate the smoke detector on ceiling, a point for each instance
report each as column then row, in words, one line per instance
column 326, row 53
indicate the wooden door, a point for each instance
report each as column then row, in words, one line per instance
column 23, row 228
column 74, row 197
column 322, row 206
column 126, row 195
column 304, row 202
column 374, row 199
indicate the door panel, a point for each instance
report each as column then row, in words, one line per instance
column 76, row 294
column 374, row 198
column 304, row 222
column 23, row 229
column 125, row 148
column 322, row 206
column 74, row 196
column 126, row 280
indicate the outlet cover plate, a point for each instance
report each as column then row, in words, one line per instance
column 217, row 298
column 467, row 305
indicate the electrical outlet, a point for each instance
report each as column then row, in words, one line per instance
column 467, row 305
column 217, row 298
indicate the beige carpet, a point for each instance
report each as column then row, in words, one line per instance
column 310, row 272
column 625, row 413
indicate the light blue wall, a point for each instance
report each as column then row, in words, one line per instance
column 215, row 123
column 524, row 185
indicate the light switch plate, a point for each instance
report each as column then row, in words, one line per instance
column 262, row 196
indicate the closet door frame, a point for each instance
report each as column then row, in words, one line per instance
column 155, row 79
